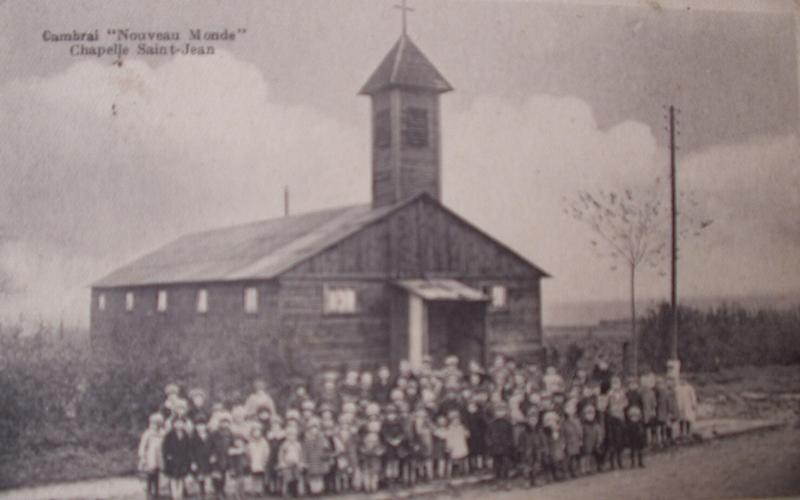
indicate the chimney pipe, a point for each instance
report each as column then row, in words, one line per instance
column 285, row 201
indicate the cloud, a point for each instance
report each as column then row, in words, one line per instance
column 102, row 164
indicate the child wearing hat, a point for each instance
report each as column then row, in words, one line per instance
column 500, row 443
column 348, row 474
column 439, row 453
column 275, row 436
column 150, row 453
column 615, row 422
column 176, row 450
column 201, row 446
column 421, row 445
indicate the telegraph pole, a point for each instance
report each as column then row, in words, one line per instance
column 673, row 339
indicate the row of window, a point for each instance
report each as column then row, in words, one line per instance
column 336, row 300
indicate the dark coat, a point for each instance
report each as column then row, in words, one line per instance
column 201, row 453
column 593, row 436
column 394, row 439
column 573, row 436
column 221, row 441
column 556, row 446
column 381, row 391
column 500, row 437
column 532, row 445
column 476, row 425
column 635, row 435
column 177, row 451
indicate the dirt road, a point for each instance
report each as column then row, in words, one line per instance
column 753, row 466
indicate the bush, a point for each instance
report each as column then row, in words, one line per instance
column 727, row 336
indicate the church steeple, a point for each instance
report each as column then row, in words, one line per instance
column 406, row 139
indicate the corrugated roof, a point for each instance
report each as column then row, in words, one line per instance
column 259, row 250
column 442, row 289
column 406, row 66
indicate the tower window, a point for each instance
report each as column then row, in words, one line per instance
column 415, row 127
column 383, row 129
column 161, row 302
column 202, row 301
column 129, row 301
column 251, row 300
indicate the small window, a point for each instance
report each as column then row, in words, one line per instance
column 202, row 301
column 251, row 300
column 499, row 297
column 161, row 303
column 383, row 129
column 101, row 302
column 339, row 300
column 415, row 127
column 129, row 299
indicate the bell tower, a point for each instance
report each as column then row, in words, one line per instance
column 406, row 139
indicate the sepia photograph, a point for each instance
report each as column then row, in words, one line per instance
column 379, row 249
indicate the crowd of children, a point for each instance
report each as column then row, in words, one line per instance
column 371, row 431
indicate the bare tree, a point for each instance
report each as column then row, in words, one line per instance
column 631, row 228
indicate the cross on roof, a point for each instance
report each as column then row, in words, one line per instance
column 404, row 9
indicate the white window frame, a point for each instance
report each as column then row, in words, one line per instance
column 337, row 299
column 162, row 300
column 130, row 300
column 101, row 301
column 201, row 304
column 250, row 297
column 498, row 297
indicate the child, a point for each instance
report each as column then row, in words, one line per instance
column 382, row 388
column 476, row 425
column 346, row 442
column 500, row 444
column 201, row 454
column 593, row 437
column 197, row 405
column 556, row 446
column 317, row 453
column 258, row 452
column 395, row 439
column 371, row 453
column 291, row 462
column 237, row 460
column 221, row 441
column 532, row 445
column 647, row 395
column 456, row 440
column 176, row 450
column 275, row 436
column 686, row 406
column 422, row 445
column 636, row 435
column 573, row 437
column 615, row 422
column 439, row 453
column 150, row 453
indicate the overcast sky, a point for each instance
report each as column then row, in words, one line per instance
column 550, row 98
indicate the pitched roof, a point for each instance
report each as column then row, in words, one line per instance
column 442, row 289
column 259, row 250
column 406, row 66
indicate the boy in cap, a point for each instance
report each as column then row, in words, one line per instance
column 593, row 437
column 258, row 452
column 176, row 450
column 532, row 445
column 197, row 405
column 291, row 462
column 221, row 441
column 371, row 457
column 201, row 453
column 318, row 452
